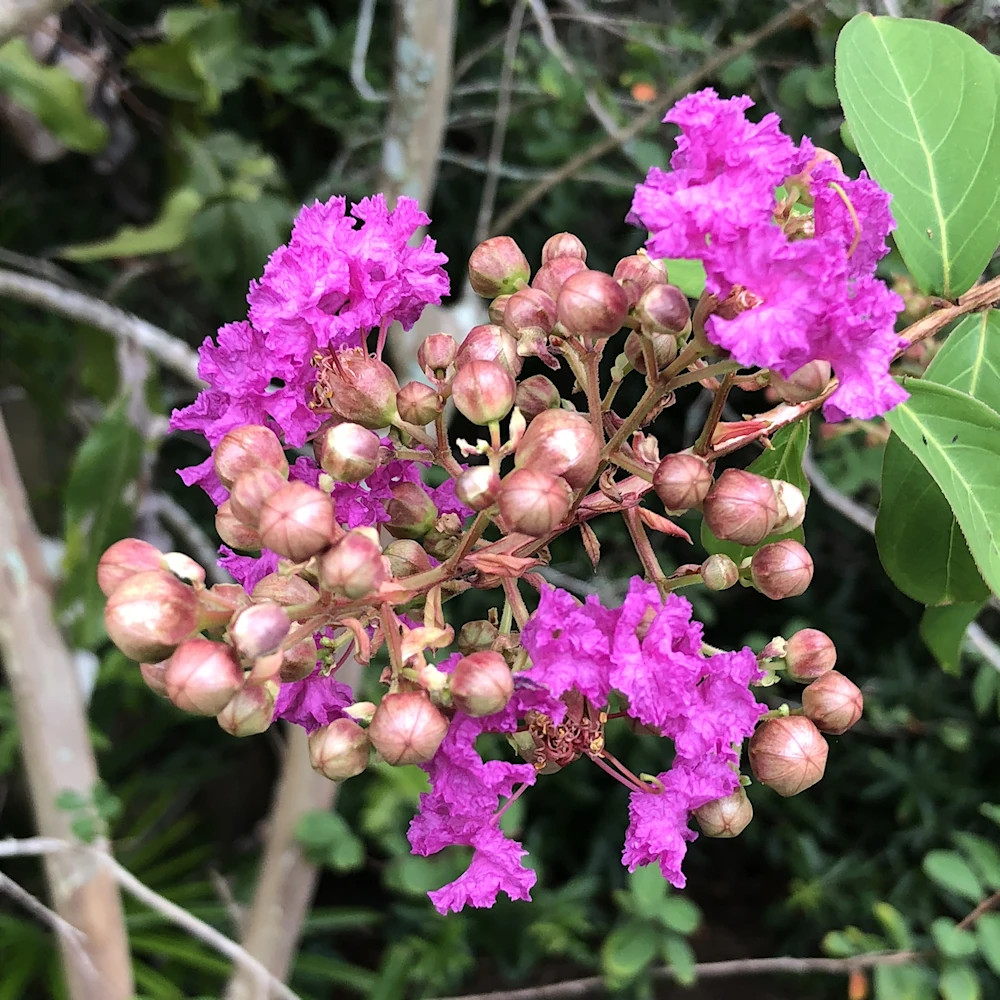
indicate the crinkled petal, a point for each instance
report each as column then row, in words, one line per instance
column 313, row 702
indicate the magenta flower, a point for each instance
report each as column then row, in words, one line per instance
column 314, row 701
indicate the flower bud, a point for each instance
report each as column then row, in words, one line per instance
column 202, row 676
column 592, row 304
column 417, row 403
column 781, row 569
column 476, row 635
column 223, row 598
column 560, row 443
column 265, row 668
column 637, row 273
column 726, row 817
column 250, row 711
column 804, row 384
column 154, row 674
column 436, row 354
column 497, row 309
column 490, row 343
column 125, row 559
column 664, row 309
column 787, row 754
column 552, row 276
column 251, row 490
column 530, row 309
column 664, row 349
column 498, row 267
column 481, row 683
column 358, row 388
column 532, row 501
column 184, row 567
column 535, row 395
column 483, row 392
column 347, row 452
column 563, row 245
column 259, row 629
column 340, row 750
column 234, row 532
column 288, row 591
column 791, row 506
column 149, row 614
column 411, row 511
column 245, row 448
column 478, row 487
column 297, row 521
column 354, row 566
column 809, row 654
column 719, row 572
column 741, row 507
column 834, row 702
column 406, row 728
column 682, row 482
column 299, row 662
column 442, row 540
column 406, row 557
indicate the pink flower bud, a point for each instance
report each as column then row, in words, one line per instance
column 155, row 676
column 483, row 392
column 411, row 511
column 490, row 343
column 791, row 506
column 234, row 532
column 125, row 559
column 532, row 501
column 530, row 309
column 250, row 711
column 149, row 614
column 809, row 654
column 406, row 557
column 406, row 728
column 637, row 273
column 781, row 569
column 664, row 349
column 804, row 384
column 478, row 487
column 788, row 755
column 535, row 395
column 682, row 482
column 184, row 567
column 298, row 662
column 719, row 572
column 417, row 403
column 498, row 267
column 552, row 276
column 560, row 443
column 741, row 507
column 265, row 668
column 563, row 245
column 497, row 309
column 436, row 354
column 354, row 566
column 245, row 448
column 288, row 591
column 297, row 521
column 834, row 702
column 726, row 817
column 251, row 490
column 259, row 629
column 202, row 676
column 358, row 388
column 340, row 750
column 347, row 452
column 481, row 683
column 223, row 599
column 476, row 635
column 592, row 304
column 664, row 309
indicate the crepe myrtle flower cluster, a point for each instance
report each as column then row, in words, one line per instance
column 341, row 549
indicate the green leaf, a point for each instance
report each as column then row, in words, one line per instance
column 679, row 914
column 895, row 925
column 680, row 958
column 982, row 854
column 951, row 940
column 52, row 96
column 167, row 233
column 783, row 460
column 959, row 982
column 943, row 632
column 904, row 982
column 327, row 839
column 922, row 100
column 988, row 937
column 957, row 439
column 952, row 873
column 648, row 889
column 687, row 275
column 991, row 811
column 919, row 541
column 627, row 951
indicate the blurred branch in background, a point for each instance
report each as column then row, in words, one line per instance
column 19, row 16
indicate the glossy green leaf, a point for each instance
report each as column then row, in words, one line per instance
column 919, row 542
column 957, row 439
column 52, row 96
column 943, row 631
column 988, row 938
column 923, row 101
column 952, row 873
column 959, row 982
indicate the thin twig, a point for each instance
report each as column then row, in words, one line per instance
column 990, row 903
column 38, row 909
column 359, row 53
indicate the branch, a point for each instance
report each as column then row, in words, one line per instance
column 359, row 53
column 171, row 352
column 652, row 115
